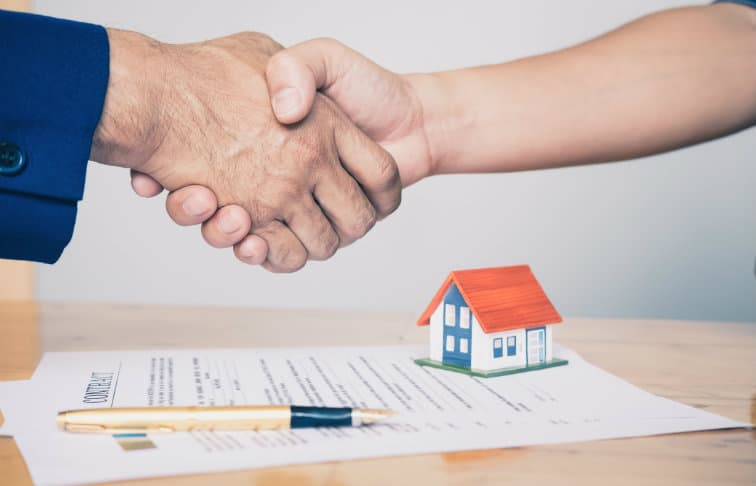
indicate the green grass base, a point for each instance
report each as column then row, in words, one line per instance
column 490, row 374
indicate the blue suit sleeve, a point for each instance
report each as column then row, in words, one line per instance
column 52, row 90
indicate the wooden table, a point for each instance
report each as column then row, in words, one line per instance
column 707, row 365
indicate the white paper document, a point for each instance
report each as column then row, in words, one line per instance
column 8, row 389
column 437, row 410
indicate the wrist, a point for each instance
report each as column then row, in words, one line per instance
column 129, row 130
column 439, row 117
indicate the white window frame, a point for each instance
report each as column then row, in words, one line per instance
column 464, row 317
column 464, row 345
column 450, row 312
column 449, row 341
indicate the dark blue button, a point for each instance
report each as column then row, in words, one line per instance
column 12, row 159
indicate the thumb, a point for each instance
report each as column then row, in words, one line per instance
column 295, row 74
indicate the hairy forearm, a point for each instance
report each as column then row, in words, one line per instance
column 128, row 130
column 665, row 81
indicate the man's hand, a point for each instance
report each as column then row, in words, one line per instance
column 384, row 105
column 200, row 114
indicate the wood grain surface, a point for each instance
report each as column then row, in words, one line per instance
column 16, row 278
column 707, row 365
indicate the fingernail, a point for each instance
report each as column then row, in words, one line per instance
column 246, row 250
column 286, row 101
column 193, row 206
column 228, row 224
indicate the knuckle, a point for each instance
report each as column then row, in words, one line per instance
column 281, row 199
column 309, row 151
column 392, row 204
column 329, row 243
column 313, row 150
column 388, row 173
column 287, row 192
column 288, row 259
column 360, row 225
column 333, row 245
column 388, row 184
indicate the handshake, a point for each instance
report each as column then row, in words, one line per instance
column 286, row 155
column 289, row 154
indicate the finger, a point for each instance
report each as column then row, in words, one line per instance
column 286, row 253
column 145, row 185
column 371, row 166
column 227, row 227
column 345, row 205
column 313, row 230
column 191, row 205
column 252, row 250
column 296, row 73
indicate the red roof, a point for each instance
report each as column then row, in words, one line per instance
column 501, row 298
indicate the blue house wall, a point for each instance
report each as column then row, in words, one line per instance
column 454, row 351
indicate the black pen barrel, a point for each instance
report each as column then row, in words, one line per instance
column 302, row 417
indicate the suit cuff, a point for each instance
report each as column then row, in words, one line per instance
column 35, row 228
column 52, row 92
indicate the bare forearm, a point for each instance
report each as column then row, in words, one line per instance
column 665, row 81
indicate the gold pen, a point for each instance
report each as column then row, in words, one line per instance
column 170, row 419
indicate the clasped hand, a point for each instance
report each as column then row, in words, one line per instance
column 200, row 115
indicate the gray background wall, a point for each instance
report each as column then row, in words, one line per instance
column 668, row 236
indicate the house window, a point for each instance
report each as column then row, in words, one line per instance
column 498, row 344
column 511, row 345
column 464, row 346
column 464, row 317
column 449, row 317
column 450, row 344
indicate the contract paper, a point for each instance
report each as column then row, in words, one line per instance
column 7, row 389
column 437, row 410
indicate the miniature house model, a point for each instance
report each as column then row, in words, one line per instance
column 490, row 322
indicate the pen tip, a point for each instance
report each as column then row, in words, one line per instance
column 60, row 421
column 367, row 416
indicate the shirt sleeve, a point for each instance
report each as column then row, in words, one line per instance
column 52, row 89
column 748, row 3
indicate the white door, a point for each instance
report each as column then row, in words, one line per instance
column 536, row 346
